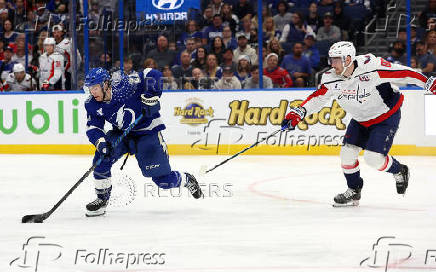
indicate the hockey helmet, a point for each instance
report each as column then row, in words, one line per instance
column 18, row 68
column 342, row 50
column 96, row 76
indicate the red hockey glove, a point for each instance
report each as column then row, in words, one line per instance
column 293, row 118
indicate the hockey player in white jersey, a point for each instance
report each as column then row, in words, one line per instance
column 364, row 87
column 18, row 80
column 51, row 67
column 64, row 47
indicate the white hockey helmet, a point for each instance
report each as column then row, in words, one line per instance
column 49, row 41
column 342, row 49
column 18, row 68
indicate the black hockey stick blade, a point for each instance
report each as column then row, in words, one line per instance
column 34, row 218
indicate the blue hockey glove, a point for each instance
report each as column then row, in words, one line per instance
column 294, row 117
column 104, row 148
column 150, row 105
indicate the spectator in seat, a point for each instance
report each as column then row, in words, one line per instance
column 190, row 48
column 229, row 19
column 274, row 46
column 168, row 81
column 325, row 6
column 415, row 64
column 243, row 68
column 283, row 17
column 426, row 60
column 312, row 17
column 7, row 64
column 428, row 16
column 183, row 70
column 200, row 58
column 296, row 30
column 253, row 81
column 228, row 40
column 212, row 70
column 228, row 81
column 207, row 18
column 162, row 54
column 329, row 31
column 311, row 52
column 269, row 30
column 51, row 67
column 191, row 32
column 19, row 13
column 217, row 48
column 279, row 76
column 19, row 81
column 215, row 30
column 199, row 81
column 297, row 65
column 8, row 35
column 431, row 41
column 244, row 49
column 341, row 20
column 216, row 6
column 397, row 53
column 228, row 59
column 20, row 55
column 243, row 8
column 150, row 63
column 247, row 27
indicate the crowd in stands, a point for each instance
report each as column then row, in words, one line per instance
column 217, row 48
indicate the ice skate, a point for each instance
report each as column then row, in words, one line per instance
column 193, row 186
column 96, row 207
column 402, row 179
column 350, row 197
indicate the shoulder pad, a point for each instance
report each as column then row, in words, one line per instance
column 329, row 76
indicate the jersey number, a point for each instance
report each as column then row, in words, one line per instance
column 385, row 63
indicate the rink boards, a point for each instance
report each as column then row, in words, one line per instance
column 208, row 123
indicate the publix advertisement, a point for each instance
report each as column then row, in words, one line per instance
column 206, row 122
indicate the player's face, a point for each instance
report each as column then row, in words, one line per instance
column 336, row 63
column 49, row 48
column 19, row 76
column 97, row 92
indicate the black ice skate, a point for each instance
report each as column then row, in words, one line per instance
column 96, row 208
column 351, row 197
column 193, row 186
column 402, row 179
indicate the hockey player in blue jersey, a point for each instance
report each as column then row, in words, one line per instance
column 119, row 100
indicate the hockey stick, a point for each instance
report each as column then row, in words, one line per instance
column 39, row 218
column 203, row 171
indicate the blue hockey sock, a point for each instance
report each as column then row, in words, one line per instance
column 395, row 167
column 354, row 181
column 172, row 180
column 104, row 194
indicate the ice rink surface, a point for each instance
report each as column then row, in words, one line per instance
column 260, row 213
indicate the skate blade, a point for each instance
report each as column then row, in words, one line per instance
column 99, row 212
column 353, row 203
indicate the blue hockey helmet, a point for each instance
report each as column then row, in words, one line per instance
column 96, row 76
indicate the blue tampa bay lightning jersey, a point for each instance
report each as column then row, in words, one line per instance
column 125, row 105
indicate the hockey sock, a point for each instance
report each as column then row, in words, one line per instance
column 395, row 167
column 172, row 180
column 354, row 181
column 103, row 194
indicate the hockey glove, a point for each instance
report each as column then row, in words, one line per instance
column 150, row 105
column 430, row 85
column 45, row 85
column 293, row 118
column 104, row 148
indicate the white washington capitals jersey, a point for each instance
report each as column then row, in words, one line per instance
column 367, row 95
